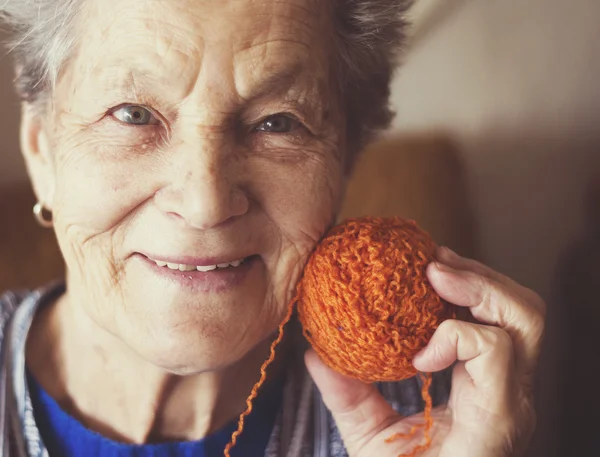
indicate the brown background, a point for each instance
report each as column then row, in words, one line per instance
column 495, row 151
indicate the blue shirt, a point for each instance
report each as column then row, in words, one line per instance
column 64, row 436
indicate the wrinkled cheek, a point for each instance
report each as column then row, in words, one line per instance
column 97, row 196
column 94, row 274
column 316, row 205
column 304, row 206
column 93, row 201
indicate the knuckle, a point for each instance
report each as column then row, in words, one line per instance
column 534, row 324
column 456, row 329
column 536, row 301
column 448, row 330
column 537, row 326
column 449, row 326
column 498, row 338
column 487, row 290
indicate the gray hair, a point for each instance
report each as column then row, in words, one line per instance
column 369, row 35
column 41, row 44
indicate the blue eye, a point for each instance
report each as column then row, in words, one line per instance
column 278, row 123
column 135, row 115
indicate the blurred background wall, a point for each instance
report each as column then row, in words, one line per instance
column 496, row 150
column 11, row 166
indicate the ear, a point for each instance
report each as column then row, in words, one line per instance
column 36, row 150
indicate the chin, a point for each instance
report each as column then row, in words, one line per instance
column 172, row 325
column 203, row 341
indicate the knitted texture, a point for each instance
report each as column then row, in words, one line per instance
column 365, row 303
column 366, row 306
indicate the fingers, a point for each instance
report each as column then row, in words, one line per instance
column 491, row 407
column 450, row 258
column 494, row 300
column 465, row 342
column 360, row 412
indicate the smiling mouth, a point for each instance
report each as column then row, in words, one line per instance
column 200, row 275
column 202, row 268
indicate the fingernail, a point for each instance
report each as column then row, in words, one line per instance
column 442, row 266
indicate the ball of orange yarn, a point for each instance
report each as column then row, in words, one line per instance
column 365, row 303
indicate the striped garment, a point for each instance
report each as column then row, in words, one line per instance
column 304, row 427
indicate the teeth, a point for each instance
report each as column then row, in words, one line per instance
column 204, row 268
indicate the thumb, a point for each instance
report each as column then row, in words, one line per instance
column 359, row 410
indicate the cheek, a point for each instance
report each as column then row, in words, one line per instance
column 97, row 188
column 96, row 194
column 301, row 199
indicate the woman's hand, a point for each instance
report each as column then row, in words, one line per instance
column 490, row 411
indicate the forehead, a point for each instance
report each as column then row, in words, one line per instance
column 168, row 40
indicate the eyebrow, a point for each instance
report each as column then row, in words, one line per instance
column 278, row 82
column 128, row 79
column 273, row 84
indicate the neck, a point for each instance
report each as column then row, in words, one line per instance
column 100, row 381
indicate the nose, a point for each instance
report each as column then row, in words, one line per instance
column 204, row 189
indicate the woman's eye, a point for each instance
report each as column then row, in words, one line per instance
column 135, row 115
column 278, row 123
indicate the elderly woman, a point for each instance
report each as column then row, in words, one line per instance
column 189, row 155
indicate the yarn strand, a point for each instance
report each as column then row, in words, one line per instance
column 426, row 378
column 260, row 382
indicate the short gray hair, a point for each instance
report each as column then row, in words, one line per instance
column 369, row 35
column 41, row 42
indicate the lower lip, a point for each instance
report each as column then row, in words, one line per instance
column 219, row 280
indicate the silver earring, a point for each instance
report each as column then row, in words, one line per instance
column 42, row 215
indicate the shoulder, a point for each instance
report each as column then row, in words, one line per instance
column 27, row 300
column 9, row 302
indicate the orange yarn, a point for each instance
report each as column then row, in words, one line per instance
column 366, row 306
column 261, row 381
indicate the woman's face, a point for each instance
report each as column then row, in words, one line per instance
column 192, row 133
